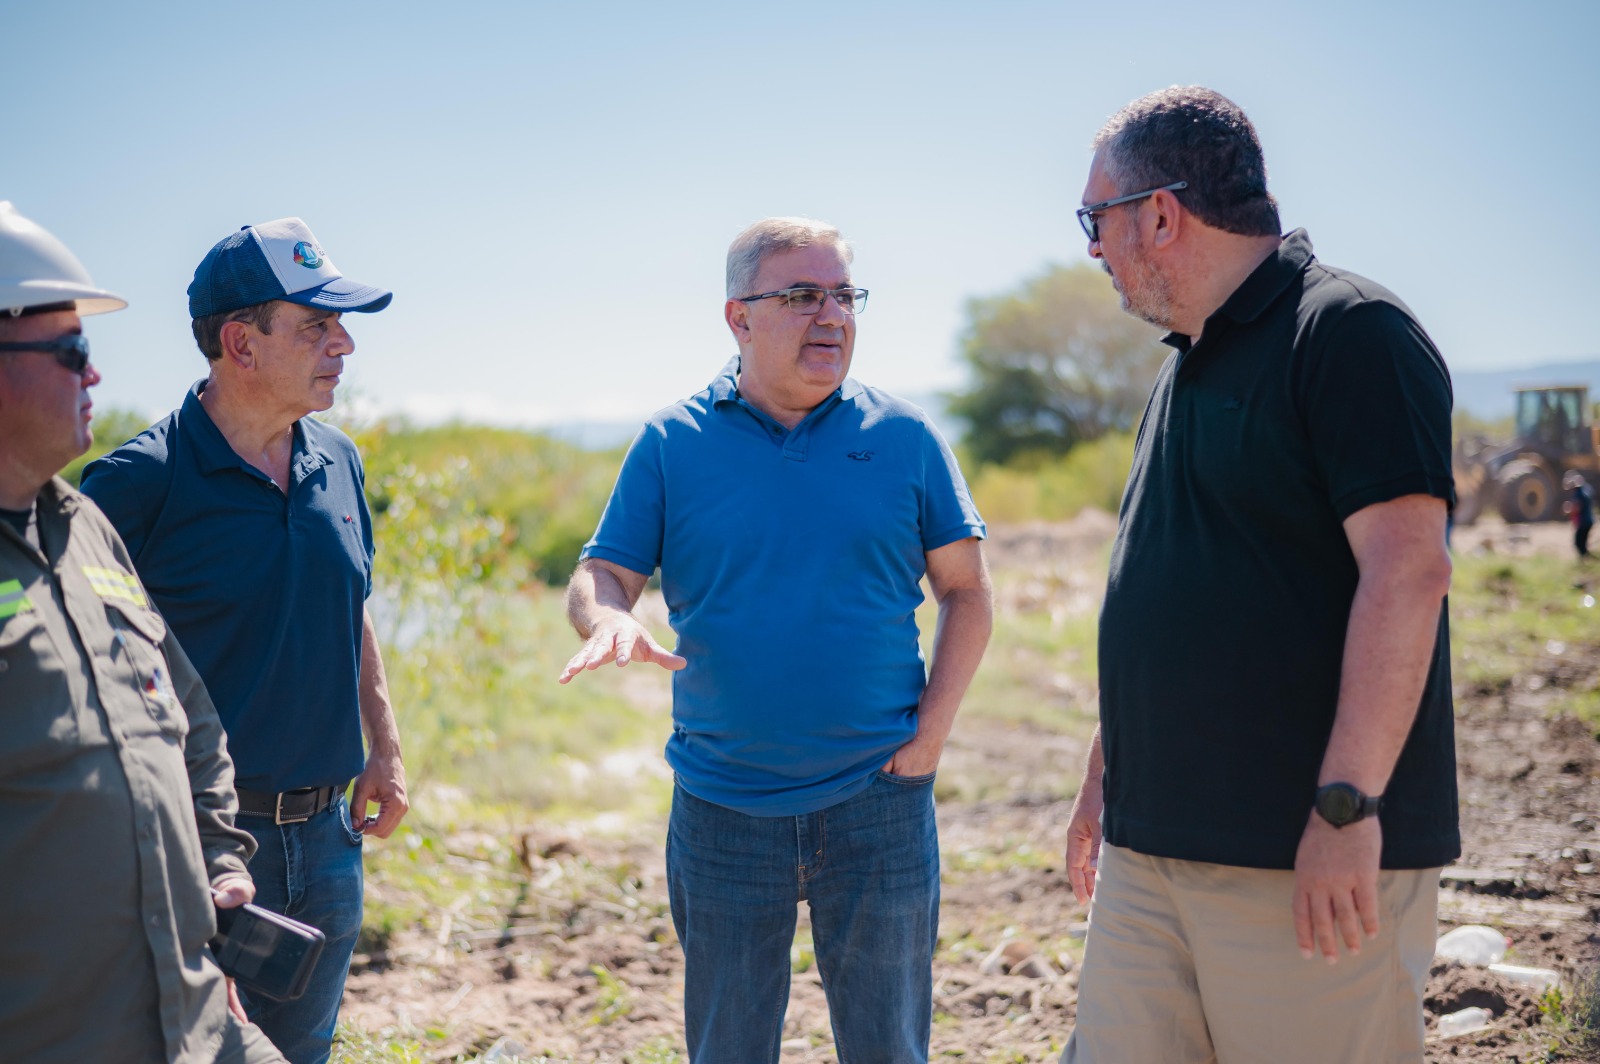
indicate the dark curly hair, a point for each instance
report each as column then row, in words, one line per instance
column 1193, row 134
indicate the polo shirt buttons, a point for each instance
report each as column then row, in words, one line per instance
column 4, row 665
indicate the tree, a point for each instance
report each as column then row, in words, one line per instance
column 1053, row 364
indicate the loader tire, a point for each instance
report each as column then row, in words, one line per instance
column 1526, row 493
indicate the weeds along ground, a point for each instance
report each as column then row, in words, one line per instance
column 532, row 854
column 520, row 914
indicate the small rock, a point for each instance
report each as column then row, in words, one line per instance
column 1018, row 950
column 1006, row 956
column 1035, row 967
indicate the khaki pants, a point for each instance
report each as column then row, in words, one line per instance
column 1194, row 963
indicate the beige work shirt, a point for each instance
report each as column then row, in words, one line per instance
column 116, row 809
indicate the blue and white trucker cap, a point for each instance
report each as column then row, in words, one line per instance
column 276, row 260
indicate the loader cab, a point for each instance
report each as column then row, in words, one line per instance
column 1553, row 419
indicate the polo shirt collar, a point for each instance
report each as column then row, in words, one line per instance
column 214, row 453
column 725, row 388
column 1264, row 285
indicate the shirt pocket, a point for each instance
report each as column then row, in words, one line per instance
column 40, row 724
column 140, row 633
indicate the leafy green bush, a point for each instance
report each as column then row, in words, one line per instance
column 1040, row 487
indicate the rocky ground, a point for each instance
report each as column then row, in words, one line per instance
column 584, row 964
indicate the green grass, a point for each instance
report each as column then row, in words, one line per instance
column 1529, row 620
column 479, row 707
column 1569, row 1028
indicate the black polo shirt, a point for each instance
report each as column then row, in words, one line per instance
column 1312, row 393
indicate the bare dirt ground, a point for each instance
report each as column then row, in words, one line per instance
column 597, row 975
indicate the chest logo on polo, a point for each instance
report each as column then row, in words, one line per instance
column 12, row 599
column 860, row 456
column 115, row 584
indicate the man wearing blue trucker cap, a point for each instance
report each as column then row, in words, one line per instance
column 248, row 523
column 793, row 513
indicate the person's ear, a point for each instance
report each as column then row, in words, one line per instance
column 1167, row 219
column 737, row 315
column 236, row 337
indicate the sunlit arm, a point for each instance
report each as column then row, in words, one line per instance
column 600, row 600
column 384, row 778
column 1404, row 567
column 960, row 583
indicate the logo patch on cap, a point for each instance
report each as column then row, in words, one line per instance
column 307, row 255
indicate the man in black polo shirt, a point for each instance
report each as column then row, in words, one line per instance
column 248, row 522
column 1275, row 760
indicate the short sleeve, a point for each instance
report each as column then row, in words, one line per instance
column 948, row 513
column 633, row 524
column 106, row 480
column 1378, row 411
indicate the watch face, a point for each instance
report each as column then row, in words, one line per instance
column 1338, row 805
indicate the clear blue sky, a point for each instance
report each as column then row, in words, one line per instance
column 549, row 188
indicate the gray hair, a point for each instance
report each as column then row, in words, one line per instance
column 770, row 235
column 1194, row 134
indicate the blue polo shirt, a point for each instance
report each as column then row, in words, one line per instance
column 791, row 563
column 265, row 591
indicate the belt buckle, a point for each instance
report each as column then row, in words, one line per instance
column 293, row 818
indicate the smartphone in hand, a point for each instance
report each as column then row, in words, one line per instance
column 266, row 952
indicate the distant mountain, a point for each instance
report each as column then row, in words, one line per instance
column 1487, row 393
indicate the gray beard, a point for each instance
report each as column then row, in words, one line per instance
column 1153, row 303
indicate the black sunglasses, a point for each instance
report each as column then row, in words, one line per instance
column 1088, row 216
column 70, row 352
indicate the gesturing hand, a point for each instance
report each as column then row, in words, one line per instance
column 1336, row 886
column 620, row 638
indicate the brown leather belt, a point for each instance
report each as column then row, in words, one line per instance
column 287, row 807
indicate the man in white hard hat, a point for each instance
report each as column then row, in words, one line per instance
column 116, row 791
column 248, row 521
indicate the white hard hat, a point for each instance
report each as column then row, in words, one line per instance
column 37, row 270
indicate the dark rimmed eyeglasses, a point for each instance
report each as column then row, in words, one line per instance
column 809, row 300
column 1091, row 224
column 70, row 352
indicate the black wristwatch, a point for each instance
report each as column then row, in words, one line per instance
column 1341, row 804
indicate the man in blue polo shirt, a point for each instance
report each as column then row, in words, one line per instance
column 248, row 523
column 793, row 513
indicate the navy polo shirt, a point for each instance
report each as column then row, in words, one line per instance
column 791, row 563
column 265, row 591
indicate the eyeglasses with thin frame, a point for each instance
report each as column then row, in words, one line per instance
column 70, row 352
column 1091, row 224
column 807, row 299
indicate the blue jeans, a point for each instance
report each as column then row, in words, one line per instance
column 312, row 872
column 869, row 869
